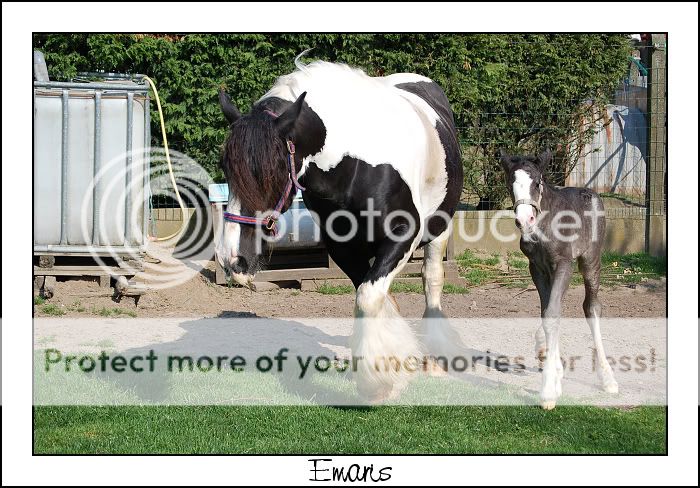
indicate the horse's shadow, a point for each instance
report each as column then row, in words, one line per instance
column 197, row 367
column 212, row 344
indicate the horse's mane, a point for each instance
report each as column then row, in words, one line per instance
column 290, row 86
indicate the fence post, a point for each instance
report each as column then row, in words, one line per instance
column 655, row 235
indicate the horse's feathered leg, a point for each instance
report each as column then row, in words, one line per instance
column 438, row 336
column 383, row 345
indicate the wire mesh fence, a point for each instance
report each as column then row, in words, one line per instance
column 614, row 145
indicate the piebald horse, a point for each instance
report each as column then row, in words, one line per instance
column 380, row 151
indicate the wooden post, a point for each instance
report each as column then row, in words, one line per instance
column 216, row 211
column 655, row 238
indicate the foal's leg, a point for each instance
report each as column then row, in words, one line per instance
column 592, row 308
column 383, row 345
column 553, row 369
column 543, row 285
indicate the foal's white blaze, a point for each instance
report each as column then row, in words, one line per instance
column 524, row 213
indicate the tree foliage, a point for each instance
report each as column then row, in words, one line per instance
column 519, row 92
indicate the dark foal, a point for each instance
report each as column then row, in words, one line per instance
column 558, row 225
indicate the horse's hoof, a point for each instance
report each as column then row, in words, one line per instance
column 394, row 302
column 434, row 369
column 382, row 395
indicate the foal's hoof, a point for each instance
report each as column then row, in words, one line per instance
column 611, row 387
column 607, row 380
column 548, row 404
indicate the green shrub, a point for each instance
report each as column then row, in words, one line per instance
column 520, row 92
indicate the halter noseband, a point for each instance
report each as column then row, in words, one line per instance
column 270, row 221
column 529, row 201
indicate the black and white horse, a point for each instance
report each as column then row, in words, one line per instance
column 558, row 226
column 380, row 151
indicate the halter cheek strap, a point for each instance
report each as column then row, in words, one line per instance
column 529, row 201
column 270, row 221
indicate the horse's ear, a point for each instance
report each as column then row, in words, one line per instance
column 543, row 159
column 285, row 122
column 505, row 160
column 228, row 108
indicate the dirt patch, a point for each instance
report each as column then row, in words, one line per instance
column 200, row 297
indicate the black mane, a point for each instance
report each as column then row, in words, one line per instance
column 254, row 155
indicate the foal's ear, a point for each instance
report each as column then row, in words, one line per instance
column 285, row 122
column 228, row 108
column 543, row 160
column 505, row 160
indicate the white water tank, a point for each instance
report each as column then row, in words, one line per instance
column 82, row 130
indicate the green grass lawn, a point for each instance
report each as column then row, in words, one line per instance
column 291, row 420
column 59, row 310
column 375, row 430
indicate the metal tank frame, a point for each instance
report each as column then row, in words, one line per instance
column 97, row 90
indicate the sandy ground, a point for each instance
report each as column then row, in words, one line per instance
column 199, row 297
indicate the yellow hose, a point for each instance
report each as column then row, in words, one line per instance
column 167, row 158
